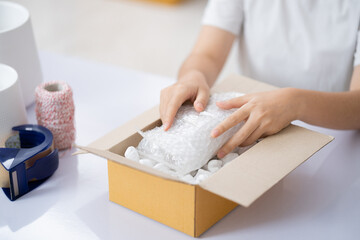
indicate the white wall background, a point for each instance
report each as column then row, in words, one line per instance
column 140, row 35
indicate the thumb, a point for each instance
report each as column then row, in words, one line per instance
column 202, row 99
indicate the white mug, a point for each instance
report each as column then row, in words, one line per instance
column 12, row 107
column 18, row 49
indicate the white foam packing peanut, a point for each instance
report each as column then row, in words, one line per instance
column 214, row 165
column 132, row 154
column 188, row 178
column 147, row 162
column 201, row 175
column 164, row 168
column 188, row 145
column 229, row 157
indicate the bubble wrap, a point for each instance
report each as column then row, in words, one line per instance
column 188, row 145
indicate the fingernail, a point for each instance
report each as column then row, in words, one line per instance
column 219, row 104
column 214, row 133
column 221, row 154
column 199, row 105
column 166, row 126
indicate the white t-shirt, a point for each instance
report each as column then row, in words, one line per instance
column 309, row 44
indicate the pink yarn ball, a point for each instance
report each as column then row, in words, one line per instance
column 55, row 110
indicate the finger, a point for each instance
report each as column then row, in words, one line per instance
column 233, row 103
column 171, row 109
column 230, row 121
column 165, row 97
column 239, row 137
column 259, row 132
column 201, row 99
column 163, row 102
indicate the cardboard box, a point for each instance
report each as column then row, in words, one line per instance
column 193, row 209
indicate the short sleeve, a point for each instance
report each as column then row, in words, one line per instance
column 224, row 14
column 357, row 50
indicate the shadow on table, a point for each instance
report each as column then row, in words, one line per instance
column 108, row 220
column 301, row 194
column 34, row 204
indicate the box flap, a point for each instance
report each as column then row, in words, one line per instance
column 121, row 160
column 254, row 172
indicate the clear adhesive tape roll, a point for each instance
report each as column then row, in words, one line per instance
column 55, row 110
column 12, row 107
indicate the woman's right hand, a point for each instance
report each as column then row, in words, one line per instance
column 207, row 57
column 191, row 86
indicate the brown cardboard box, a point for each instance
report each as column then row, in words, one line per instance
column 193, row 209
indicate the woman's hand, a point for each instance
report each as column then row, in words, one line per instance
column 264, row 114
column 191, row 86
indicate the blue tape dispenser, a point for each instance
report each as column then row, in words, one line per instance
column 33, row 161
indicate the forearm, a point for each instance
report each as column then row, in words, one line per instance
column 332, row 110
column 208, row 56
column 200, row 64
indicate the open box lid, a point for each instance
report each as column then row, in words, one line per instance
column 248, row 176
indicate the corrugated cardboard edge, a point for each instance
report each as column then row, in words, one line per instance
column 209, row 209
column 254, row 172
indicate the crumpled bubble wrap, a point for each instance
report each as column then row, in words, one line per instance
column 188, row 145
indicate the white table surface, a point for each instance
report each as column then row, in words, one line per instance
column 318, row 200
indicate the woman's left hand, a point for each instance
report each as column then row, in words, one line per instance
column 264, row 113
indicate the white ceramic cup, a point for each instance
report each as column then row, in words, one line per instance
column 18, row 49
column 12, row 107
